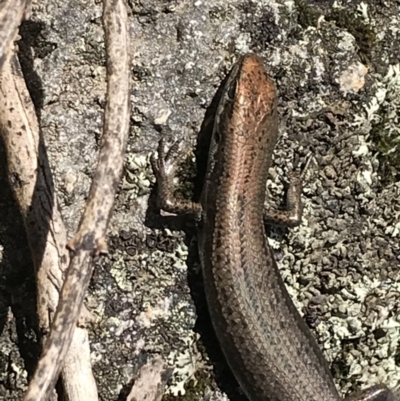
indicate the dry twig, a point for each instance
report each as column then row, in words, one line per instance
column 31, row 182
column 11, row 14
column 89, row 241
column 150, row 384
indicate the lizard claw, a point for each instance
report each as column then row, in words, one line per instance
column 165, row 164
column 309, row 157
column 300, row 169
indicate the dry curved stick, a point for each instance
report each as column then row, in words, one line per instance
column 89, row 241
column 151, row 382
column 30, row 179
column 11, row 14
column 31, row 182
column 77, row 377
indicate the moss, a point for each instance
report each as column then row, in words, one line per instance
column 345, row 18
column 308, row 15
column 388, row 150
column 364, row 33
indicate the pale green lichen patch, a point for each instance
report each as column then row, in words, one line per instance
column 186, row 363
column 138, row 175
column 382, row 115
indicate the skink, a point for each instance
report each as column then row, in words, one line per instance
column 267, row 345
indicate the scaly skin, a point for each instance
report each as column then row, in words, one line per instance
column 268, row 346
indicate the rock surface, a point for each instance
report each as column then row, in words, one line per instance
column 337, row 69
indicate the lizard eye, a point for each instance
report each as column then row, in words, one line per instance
column 217, row 137
column 232, row 90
